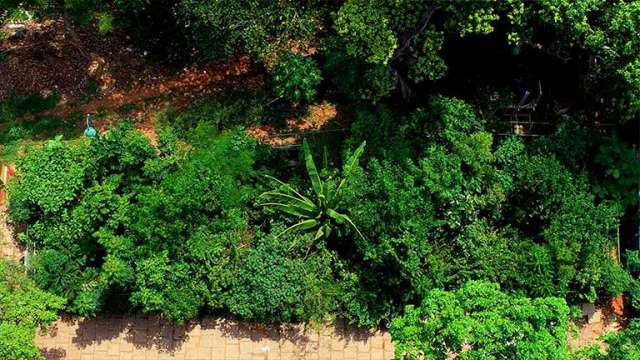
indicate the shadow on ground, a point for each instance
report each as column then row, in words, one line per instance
column 148, row 336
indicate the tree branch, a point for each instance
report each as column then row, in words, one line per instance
column 422, row 25
column 406, row 43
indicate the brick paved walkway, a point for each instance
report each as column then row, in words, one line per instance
column 119, row 338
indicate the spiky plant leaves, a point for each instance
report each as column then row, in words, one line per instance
column 316, row 182
column 318, row 214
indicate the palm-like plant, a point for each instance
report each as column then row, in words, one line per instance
column 320, row 212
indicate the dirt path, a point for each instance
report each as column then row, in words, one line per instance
column 106, row 74
column 601, row 321
column 8, row 246
column 177, row 91
column 320, row 118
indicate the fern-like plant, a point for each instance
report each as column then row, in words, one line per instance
column 320, row 212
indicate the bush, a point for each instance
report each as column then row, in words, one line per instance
column 296, row 78
column 478, row 321
column 554, row 208
column 224, row 111
column 23, row 309
column 274, row 284
column 229, row 27
column 121, row 218
column 467, row 209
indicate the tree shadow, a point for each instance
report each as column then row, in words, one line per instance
column 295, row 333
column 351, row 333
column 143, row 331
column 53, row 353
column 151, row 332
column 299, row 334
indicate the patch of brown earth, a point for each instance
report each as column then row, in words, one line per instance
column 323, row 117
column 54, row 56
column 57, row 57
column 600, row 321
column 176, row 92
column 9, row 248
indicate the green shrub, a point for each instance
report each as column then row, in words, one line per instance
column 296, row 78
column 319, row 213
column 274, row 284
column 225, row 28
column 32, row 104
column 468, row 209
column 23, row 309
column 225, row 111
column 478, row 321
column 105, row 23
column 555, row 208
column 121, row 218
column 166, row 287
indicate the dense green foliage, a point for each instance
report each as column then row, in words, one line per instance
column 278, row 280
column 175, row 230
column 15, row 133
column 384, row 45
column 110, row 216
column 478, row 321
column 23, row 309
column 466, row 209
column 296, row 78
column 472, row 238
column 402, row 40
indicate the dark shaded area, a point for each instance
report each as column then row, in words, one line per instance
column 157, row 30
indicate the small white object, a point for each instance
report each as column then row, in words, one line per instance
column 16, row 26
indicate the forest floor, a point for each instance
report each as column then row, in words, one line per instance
column 105, row 73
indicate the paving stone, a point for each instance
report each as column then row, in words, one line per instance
column 151, row 356
column 126, row 356
column 148, row 338
column 246, row 346
column 388, row 354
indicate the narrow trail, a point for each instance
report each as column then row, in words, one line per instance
column 106, row 74
column 9, row 248
column 178, row 91
column 320, row 118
